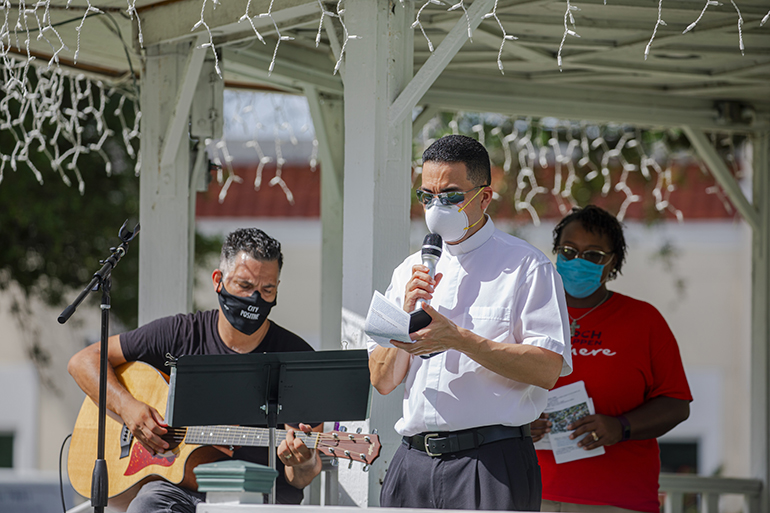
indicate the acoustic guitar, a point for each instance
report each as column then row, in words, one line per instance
column 130, row 465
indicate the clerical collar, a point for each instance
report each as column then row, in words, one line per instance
column 474, row 241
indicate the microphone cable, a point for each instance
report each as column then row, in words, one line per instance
column 61, row 477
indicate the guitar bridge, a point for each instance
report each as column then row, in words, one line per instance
column 125, row 442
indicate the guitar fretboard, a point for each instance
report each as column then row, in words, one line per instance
column 237, row 436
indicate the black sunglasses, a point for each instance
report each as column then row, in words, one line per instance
column 445, row 198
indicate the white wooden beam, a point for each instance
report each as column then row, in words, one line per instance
column 760, row 321
column 428, row 112
column 722, row 174
column 625, row 49
column 515, row 49
column 758, row 9
column 177, row 128
column 297, row 67
column 593, row 104
column 430, row 71
column 172, row 21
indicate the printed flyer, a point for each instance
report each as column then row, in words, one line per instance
column 566, row 405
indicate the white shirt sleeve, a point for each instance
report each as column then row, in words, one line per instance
column 540, row 314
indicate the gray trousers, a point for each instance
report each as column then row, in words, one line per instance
column 502, row 475
column 164, row 497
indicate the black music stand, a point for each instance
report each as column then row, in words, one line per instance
column 268, row 389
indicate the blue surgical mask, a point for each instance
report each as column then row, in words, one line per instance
column 581, row 278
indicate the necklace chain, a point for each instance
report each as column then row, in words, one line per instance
column 573, row 325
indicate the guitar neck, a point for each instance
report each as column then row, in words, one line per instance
column 239, row 436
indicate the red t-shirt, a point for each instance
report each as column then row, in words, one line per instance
column 626, row 354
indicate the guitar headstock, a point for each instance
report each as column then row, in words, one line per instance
column 352, row 446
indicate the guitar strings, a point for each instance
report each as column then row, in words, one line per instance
column 237, row 433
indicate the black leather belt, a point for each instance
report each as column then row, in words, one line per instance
column 437, row 444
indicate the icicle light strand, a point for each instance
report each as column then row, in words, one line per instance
column 568, row 18
column 37, row 121
column 584, row 145
column 655, row 30
column 506, row 36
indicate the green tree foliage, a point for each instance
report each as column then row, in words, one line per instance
column 53, row 238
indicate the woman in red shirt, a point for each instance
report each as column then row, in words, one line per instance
column 628, row 358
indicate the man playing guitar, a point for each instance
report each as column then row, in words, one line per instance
column 246, row 283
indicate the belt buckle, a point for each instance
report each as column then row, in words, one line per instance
column 425, row 441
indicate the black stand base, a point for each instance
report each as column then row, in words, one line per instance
column 99, row 486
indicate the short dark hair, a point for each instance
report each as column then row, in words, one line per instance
column 597, row 220
column 252, row 241
column 461, row 148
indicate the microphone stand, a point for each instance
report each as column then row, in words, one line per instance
column 102, row 279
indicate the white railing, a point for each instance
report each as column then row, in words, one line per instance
column 675, row 486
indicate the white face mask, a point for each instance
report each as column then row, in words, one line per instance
column 446, row 220
column 449, row 221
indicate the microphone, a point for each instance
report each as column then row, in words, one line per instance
column 431, row 252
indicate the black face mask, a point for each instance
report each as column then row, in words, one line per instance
column 246, row 314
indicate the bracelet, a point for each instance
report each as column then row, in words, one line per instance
column 626, row 427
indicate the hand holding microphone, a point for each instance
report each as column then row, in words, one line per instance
column 431, row 252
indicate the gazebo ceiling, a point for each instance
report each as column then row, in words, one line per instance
column 701, row 68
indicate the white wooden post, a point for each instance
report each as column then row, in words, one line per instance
column 760, row 322
column 377, row 188
column 165, row 242
column 757, row 214
column 329, row 122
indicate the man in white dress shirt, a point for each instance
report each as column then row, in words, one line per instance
column 479, row 373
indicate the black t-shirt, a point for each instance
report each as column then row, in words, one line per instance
column 196, row 334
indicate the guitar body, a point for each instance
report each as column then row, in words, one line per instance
column 126, row 475
column 130, row 465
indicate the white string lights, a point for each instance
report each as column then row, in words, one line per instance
column 79, row 28
column 740, row 27
column 346, row 35
column 569, row 26
column 658, row 23
column 23, row 22
column 716, row 3
column 557, row 159
column 250, row 122
column 10, row 31
column 269, row 14
column 506, row 36
column 568, row 17
column 700, row 16
column 418, row 24
column 247, row 17
column 210, row 44
column 52, row 118
column 461, row 5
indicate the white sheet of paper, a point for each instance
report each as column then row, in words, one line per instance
column 385, row 321
column 566, row 405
